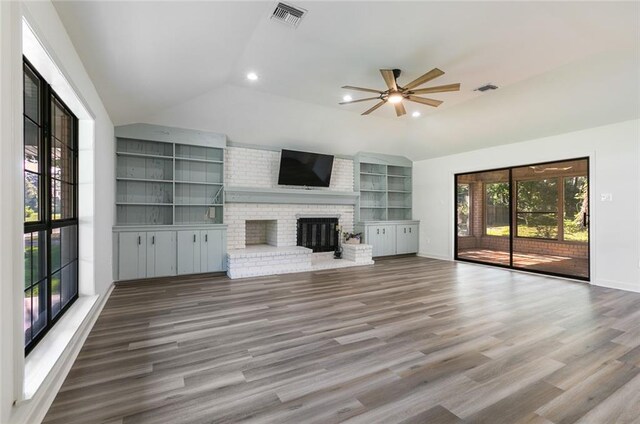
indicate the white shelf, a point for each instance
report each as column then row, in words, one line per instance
column 142, row 204
column 199, row 204
column 144, row 180
column 198, row 182
column 144, row 155
column 199, row 160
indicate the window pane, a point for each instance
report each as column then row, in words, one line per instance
column 69, row 247
column 39, row 307
column 39, row 257
column 56, row 253
column 463, row 210
column 28, row 260
column 66, row 201
column 27, row 316
column 576, row 205
column 497, row 209
column 537, row 208
column 55, row 294
column 31, row 197
column 31, row 145
column 55, row 199
column 31, row 96
column 69, row 283
column 61, row 123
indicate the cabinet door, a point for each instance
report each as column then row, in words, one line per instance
column 389, row 237
column 402, row 233
column 212, row 250
column 132, row 261
column 161, row 254
column 412, row 238
column 374, row 238
column 188, row 252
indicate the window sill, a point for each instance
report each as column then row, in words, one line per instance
column 43, row 357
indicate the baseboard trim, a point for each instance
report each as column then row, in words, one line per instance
column 35, row 409
column 434, row 256
column 618, row 285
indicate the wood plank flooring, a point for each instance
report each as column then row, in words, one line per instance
column 407, row 340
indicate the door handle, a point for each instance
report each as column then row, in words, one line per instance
column 153, row 239
column 139, row 240
column 194, row 238
column 206, row 238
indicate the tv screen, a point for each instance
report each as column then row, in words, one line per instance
column 305, row 169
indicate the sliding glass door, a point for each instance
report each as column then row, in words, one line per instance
column 532, row 217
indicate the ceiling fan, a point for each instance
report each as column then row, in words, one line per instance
column 395, row 93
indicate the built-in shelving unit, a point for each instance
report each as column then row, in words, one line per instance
column 168, row 177
column 169, row 202
column 384, row 183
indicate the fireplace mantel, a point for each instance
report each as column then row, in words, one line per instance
column 289, row 196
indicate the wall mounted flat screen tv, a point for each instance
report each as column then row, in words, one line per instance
column 305, row 169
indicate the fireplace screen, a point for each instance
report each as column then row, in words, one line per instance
column 318, row 234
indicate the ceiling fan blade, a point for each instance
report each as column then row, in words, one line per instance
column 400, row 110
column 430, row 102
column 359, row 100
column 376, row 106
column 438, row 89
column 389, row 79
column 432, row 74
column 370, row 90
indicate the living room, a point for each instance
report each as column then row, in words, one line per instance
column 320, row 212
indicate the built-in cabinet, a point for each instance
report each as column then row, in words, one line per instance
column 169, row 202
column 390, row 237
column 384, row 210
column 201, row 251
column 146, row 254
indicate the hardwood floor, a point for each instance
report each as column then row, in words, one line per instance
column 408, row 340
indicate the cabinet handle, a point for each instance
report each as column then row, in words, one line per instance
column 139, row 240
column 153, row 239
column 378, row 231
column 383, row 230
column 409, row 229
column 405, row 230
column 206, row 238
column 194, row 238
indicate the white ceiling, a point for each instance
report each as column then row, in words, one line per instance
column 147, row 58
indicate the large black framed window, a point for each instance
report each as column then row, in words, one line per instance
column 50, row 207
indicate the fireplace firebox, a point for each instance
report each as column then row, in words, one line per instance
column 318, row 234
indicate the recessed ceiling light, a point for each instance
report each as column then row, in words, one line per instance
column 252, row 76
column 415, row 114
column 347, row 98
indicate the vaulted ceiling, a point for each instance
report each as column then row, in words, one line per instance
column 560, row 66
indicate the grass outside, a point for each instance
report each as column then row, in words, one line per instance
column 572, row 231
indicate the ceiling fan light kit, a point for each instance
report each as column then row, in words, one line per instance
column 395, row 93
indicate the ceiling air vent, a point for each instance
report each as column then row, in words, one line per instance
column 487, row 87
column 288, row 14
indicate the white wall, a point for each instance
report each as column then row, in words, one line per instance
column 98, row 177
column 614, row 168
